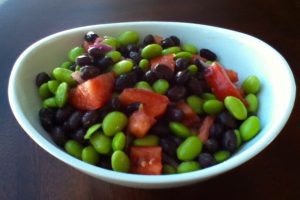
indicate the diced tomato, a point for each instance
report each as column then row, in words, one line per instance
column 190, row 117
column 139, row 123
column 220, row 83
column 157, row 39
column 93, row 93
column 167, row 60
column 203, row 132
column 233, row 76
column 154, row 104
column 146, row 160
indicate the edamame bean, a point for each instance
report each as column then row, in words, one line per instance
column 196, row 103
column 61, row 95
column 249, row 128
column 189, row 149
column 161, row 86
column 143, row 85
column 238, row 137
column 101, row 143
column 253, row 103
column 66, row 64
column 183, row 54
column 189, row 48
column 221, row 156
column 171, row 50
column 90, row 155
column 114, row 55
column 209, row 62
column 128, row 37
column 64, row 75
column 213, row 107
column 179, row 129
column 208, row 96
column 111, row 41
column 188, row 166
column 120, row 161
column 148, row 140
column 74, row 53
column 119, row 141
column 144, row 64
column 53, row 85
column 123, row 67
column 193, row 69
column 73, row 148
column 236, row 107
column 251, row 85
column 92, row 130
column 50, row 103
column 151, row 51
column 168, row 169
column 114, row 122
column 44, row 91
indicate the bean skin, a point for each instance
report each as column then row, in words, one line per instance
column 163, row 72
column 59, row 136
column 90, row 36
column 227, row 120
column 74, row 120
column 209, row 55
column 63, row 114
column 229, row 141
column 206, row 160
column 41, row 78
column 90, row 117
column 176, row 93
column 47, row 117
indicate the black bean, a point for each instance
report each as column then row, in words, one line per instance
column 124, row 51
column 90, row 117
column 47, row 116
column 195, row 86
column 160, row 128
column 74, row 120
column 90, row 36
column 139, row 72
column 95, row 52
column 125, row 81
column 63, row 114
column 182, row 63
column 167, row 159
column 104, row 63
column 149, row 39
column 105, row 162
column 114, row 104
column 199, row 65
column 176, row 93
column 150, row 77
column 169, row 146
column 163, row 72
column 73, row 67
column 103, row 112
column 83, row 60
column 229, row 141
column 130, row 108
column 211, row 146
column 206, row 160
column 42, row 78
column 132, row 48
column 135, row 56
column 216, row 130
column 227, row 120
column 207, row 54
column 89, row 71
column 182, row 77
column 200, row 76
column 176, row 40
column 78, row 135
column 166, row 43
column 175, row 114
column 59, row 136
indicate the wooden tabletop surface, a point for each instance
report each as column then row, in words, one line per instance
column 27, row 172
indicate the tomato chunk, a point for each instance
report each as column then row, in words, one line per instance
column 167, row 60
column 221, row 84
column 154, row 104
column 203, row 132
column 233, row 76
column 93, row 93
column 190, row 117
column 146, row 160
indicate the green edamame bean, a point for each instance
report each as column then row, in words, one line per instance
column 251, row 85
column 193, row 69
column 53, row 85
column 143, row 85
column 213, row 107
column 114, row 122
column 111, row 41
column 114, row 55
column 171, row 50
column 208, row 96
column 161, row 86
column 209, row 62
column 64, row 75
column 101, row 143
column 196, row 103
column 50, row 103
column 61, row 95
column 221, row 156
column 44, row 91
column 128, row 37
column 168, row 169
column 144, row 64
column 66, row 64
column 119, row 141
column 92, row 130
column 249, row 128
column 151, row 51
column 179, row 129
column 188, row 166
column 90, row 155
column 238, row 137
column 120, row 161
column 123, row 67
column 189, row 48
column 73, row 148
column 253, row 103
column 189, row 149
column 236, row 107
column 74, row 53
column 148, row 140
column 183, row 54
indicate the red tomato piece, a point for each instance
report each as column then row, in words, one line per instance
column 233, row 76
column 167, row 60
column 146, row 160
column 93, row 93
column 190, row 117
column 203, row 132
column 139, row 123
column 220, row 83
column 154, row 104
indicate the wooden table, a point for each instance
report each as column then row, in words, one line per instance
column 27, row 172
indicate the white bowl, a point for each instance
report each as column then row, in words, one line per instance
column 243, row 53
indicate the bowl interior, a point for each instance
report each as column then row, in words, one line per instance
column 243, row 53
